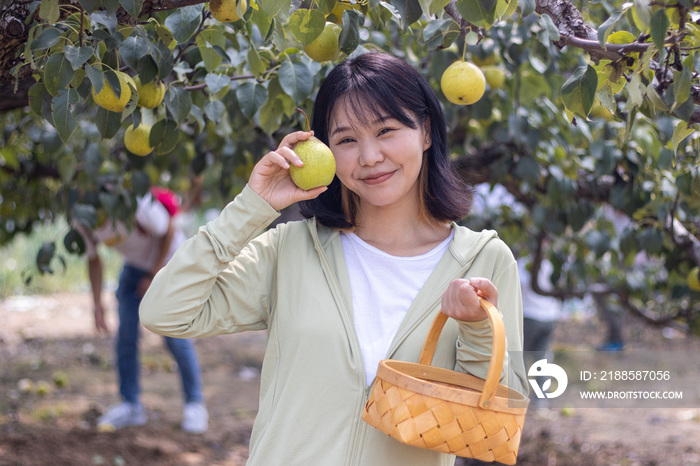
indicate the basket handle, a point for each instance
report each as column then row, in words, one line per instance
column 498, row 349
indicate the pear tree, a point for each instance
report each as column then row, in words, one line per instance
column 588, row 119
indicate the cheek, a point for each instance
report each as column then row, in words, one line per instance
column 343, row 165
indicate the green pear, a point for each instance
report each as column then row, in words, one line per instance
column 319, row 164
column 325, row 47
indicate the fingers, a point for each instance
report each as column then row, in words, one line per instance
column 461, row 299
column 294, row 138
column 485, row 289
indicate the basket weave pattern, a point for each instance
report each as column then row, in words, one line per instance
column 448, row 411
column 429, row 422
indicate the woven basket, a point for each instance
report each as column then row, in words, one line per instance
column 449, row 411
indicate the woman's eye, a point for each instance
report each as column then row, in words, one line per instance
column 385, row 130
column 344, row 141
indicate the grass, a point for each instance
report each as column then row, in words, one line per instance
column 18, row 262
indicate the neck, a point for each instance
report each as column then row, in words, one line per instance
column 399, row 230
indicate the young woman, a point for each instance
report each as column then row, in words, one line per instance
column 360, row 280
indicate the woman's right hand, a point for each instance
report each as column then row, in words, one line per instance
column 270, row 177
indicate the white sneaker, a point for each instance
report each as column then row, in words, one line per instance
column 122, row 415
column 195, row 418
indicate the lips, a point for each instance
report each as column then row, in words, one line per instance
column 376, row 178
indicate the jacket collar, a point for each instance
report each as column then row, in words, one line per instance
column 463, row 249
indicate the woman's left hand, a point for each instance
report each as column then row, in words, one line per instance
column 461, row 299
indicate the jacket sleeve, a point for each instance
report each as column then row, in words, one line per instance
column 474, row 339
column 220, row 280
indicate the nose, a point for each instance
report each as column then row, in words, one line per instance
column 370, row 154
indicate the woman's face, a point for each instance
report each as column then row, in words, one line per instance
column 378, row 158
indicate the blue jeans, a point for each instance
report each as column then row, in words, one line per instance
column 128, row 364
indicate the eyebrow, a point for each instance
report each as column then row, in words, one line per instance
column 379, row 119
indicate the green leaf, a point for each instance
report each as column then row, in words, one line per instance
column 251, row 96
column 306, row 25
column 506, row 8
column 409, row 10
column 296, row 80
column 681, row 86
column 108, row 123
column 164, row 136
column 133, row 7
column 107, row 20
column 578, row 92
column 58, row 73
column 61, row 109
column 434, row 32
column 327, row 6
column 36, row 94
column 48, row 11
column 77, row 56
column 552, row 33
column 481, row 13
column 679, row 134
column 96, row 77
column 214, row 110
column 276, row 7
column 206, row 42
column 656, row 99
column 90, row 5
column 255, row 63
column 216, row 82
column 263, row 22
column 431, row 7
column 350, row 35
column 178, row 102
column 527, row 7
column 642, row 14
column 271, row 115
column 184, row 22
column 114, row 83
column 47, row 39
column 659, row 25
column 110, row 6
column 605, row 29
column 133, row 49
column 132, row 104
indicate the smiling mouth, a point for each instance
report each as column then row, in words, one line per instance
column 377, row 177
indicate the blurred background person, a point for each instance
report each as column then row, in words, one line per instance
column 145, row 248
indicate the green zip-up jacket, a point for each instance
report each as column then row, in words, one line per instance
column 292, row 281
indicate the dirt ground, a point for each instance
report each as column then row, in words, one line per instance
column 49, row 339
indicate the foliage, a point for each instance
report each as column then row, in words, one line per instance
column 594, row 132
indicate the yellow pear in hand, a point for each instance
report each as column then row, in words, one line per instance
column 463, row 83
column 325, row 46
column 225, row 10
column 319, row 163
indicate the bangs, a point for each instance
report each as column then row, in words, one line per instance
column 370, row 104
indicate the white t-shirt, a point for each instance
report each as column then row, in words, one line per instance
column 383, row 288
